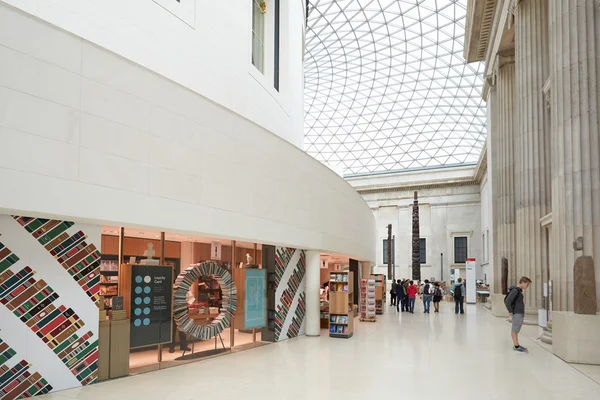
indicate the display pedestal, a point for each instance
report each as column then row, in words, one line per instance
column 103, row 351
column 498, row 307
column 119, row 348
column 575, row 337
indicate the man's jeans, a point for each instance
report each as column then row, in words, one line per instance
column 411, row 302
column 458, row 301
column 426, row 302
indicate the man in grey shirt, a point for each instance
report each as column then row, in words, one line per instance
column 516, row 309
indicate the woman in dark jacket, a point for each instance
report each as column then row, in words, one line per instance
column 438, row 295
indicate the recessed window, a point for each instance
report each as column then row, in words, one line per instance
column 258, row 34
column 385, row 251
column 460, row 250
column 423, row 249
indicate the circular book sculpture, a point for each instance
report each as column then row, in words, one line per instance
column 182, row 285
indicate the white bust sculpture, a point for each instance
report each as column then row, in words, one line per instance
column 248, row 259
column 149, row 253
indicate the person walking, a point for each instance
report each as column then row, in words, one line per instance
column 393, row 293
column 427, row 297
column 459, row 296
column 412, row 296
column 437, row 297
column 400, row 294
column 516, row 309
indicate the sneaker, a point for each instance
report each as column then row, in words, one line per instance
column 520, row 349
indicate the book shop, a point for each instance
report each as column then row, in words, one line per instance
column 116, row 301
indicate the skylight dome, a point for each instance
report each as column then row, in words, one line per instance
column 387, row 87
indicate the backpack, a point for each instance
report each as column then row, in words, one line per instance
column 458, row 291
column 505, row 297
column 426, row 289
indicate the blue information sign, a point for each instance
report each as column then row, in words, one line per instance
column 256, row 305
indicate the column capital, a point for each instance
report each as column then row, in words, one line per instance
column 503, row 59
column 513, row 5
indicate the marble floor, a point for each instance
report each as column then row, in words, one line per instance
column 419, row 356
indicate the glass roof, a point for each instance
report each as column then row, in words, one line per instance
column 387, row 87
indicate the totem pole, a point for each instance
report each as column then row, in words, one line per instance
column 416, row 242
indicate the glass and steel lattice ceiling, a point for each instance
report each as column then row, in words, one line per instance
column 387, row 87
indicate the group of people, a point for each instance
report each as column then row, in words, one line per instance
column 404, row 295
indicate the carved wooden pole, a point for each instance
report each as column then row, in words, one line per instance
column 389, row 251
column 416, row 242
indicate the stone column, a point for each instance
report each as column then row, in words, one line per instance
column 313, row 285
column 574, row 27
column 494, row 184
column 506, row 96
column 532, row 144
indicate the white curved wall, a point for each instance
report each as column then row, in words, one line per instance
column 91, row 136
column 211, row 57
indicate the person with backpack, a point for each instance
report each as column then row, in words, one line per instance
column 427, row 297
column 400, row 295
column 393, row 293
column 459, row 296
column 516, row 309
column 437, row 297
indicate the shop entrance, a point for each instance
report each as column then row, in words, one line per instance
column 173, row 299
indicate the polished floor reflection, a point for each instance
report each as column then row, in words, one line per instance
column 419, row 356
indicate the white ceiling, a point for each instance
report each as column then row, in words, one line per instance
column 387, row 87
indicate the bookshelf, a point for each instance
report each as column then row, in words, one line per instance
column 341, row 317
column 380, row 292
column 367, row 300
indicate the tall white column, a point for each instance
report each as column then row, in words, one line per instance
column 532, row 159
column 494, row 186
column 506, row 96
column 313, row 285
column 574, row 27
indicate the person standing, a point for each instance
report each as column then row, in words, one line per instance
column 459, row 296
column 412, row 296
column 393, row 293
column 427, row 297
column 437, row 297
column 406, row 305
column 516, row 309
column 400, row 294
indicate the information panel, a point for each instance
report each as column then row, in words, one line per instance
column 471, row 281
column 255, row 305
column 151, row 305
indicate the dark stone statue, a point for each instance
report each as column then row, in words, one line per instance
column 504, row 275
column 584, row 291
column 416, row 242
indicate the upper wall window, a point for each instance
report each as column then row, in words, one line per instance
column 259, row 8
column 460, row 250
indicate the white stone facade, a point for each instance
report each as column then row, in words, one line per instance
column 555, row 134
column 450, row 205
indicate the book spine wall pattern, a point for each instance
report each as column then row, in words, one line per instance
column 298, row 318
column 35, row 303
column 283, row 255
column 294, row 285
column 19, row 380
column 78, row 257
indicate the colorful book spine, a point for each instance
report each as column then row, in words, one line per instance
column 79, row 258
column 34, row 303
